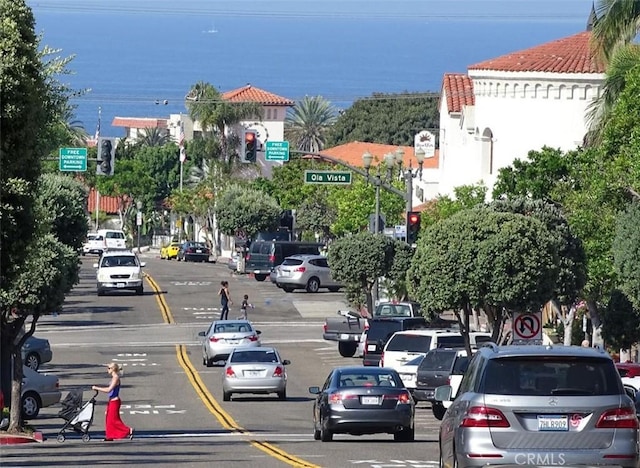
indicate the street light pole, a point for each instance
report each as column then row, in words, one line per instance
column 139, row 221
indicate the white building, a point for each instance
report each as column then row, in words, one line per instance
column 505, row 107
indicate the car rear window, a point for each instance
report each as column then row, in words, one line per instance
column 254, row 356
column 411, row 343
column 455, row 341
column 460, row 365
column 382, row 330
column 292, row 262
column 261, row 248
column 92, row 237
column 369, row 379
column 551, row 376
column 438, row 360
column 233, row 327
column 393, row 310
column 114, row 235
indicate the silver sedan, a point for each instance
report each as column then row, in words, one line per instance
column 256, row 371
column 223, row 336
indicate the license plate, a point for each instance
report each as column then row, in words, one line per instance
column 344, row 336
column 120, row 285
column 553, row 423
column 198, row 251
column 370, row 400
column 371, row 347
column 252, row 373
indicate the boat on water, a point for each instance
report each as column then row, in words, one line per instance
column 213, row 30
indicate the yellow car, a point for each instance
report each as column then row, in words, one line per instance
column 170, row 251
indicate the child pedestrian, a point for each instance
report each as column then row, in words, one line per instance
column 244, row 306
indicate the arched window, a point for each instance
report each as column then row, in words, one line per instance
column 487, row 151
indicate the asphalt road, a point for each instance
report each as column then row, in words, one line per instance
column 175, row 403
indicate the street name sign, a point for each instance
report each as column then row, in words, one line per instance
column 327, row 177
column 276, row 151
column 73, row 159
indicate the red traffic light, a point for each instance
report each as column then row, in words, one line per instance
column 250, row 137
column 414, row 218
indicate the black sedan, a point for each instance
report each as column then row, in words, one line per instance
column 194, row 252
column 363, row 400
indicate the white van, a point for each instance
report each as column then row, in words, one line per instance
column 406, row 345
column 113, row 239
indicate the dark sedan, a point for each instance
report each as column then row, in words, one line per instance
column 363, row 400
column 194, row 252
column 36, row 351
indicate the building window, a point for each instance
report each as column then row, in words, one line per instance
column 275, row 114
column 268, row 114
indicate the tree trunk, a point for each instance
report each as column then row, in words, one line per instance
column 596, row 324
column 367, row 292
column 567, row 321
column 15, row 413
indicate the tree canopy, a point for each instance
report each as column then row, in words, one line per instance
column 243, row 212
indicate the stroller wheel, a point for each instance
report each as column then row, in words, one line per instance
column 61, row 438
column 86, row 438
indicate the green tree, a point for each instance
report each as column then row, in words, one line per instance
column 395, row 281
column 316, row 216
column 359, row 260
column 153, row 136
column 626, row 253
column 244, row 212
column 63, row 201
column 477, row 258
column 620, row 322
column 443, row 207
column 308, row 122
column 391, row 119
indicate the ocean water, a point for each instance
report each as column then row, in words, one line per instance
column 136, row 55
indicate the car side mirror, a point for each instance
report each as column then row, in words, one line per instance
column 314, row 390
column 443, row 393
column 203, row 334
column 286, row 362
column 143, row 264
column 95, row 265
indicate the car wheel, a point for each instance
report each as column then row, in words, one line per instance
column 407, row 434
column 209, row 362
column 261, row 277
column 30, row 405
column 325, row 434
column 288, row 289
column 140, row 291
column 438, row 410
column 100, row 292
column 313, row 285
column 32, row 361
column 226, row 396
column 283, row 394
column 347, row 349
column 316, row 434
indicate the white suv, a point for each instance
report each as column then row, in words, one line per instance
column 119, row 270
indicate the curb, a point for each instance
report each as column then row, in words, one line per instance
column 14, row 439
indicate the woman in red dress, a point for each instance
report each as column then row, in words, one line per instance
column 114, row 428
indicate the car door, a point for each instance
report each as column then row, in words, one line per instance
column 320, row 406
column 321, row 270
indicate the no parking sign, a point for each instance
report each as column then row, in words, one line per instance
column 527, row 328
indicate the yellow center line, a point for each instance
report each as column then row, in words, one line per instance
column 224, row 418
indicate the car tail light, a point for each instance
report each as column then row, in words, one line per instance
column 278, row 372
column 248, row 257
column 229, row 372
column 214, row 339
column 300, row 269
column 483, row 416
column 366, row 325
column 272, row 258
column 337, row 397
column 402, row 397
column 253, row 338
column 618, row 418
column 324, row 328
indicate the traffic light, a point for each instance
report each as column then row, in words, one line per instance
column 249, row 146
column 106, row 156
column 413, row 226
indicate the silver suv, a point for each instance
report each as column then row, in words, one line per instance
column 539, row 406
column 310, row 272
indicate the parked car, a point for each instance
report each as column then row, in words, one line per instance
column 256, row 371
column 438, row 368
column 170, row 251
column 309, row 272
column 93, row 245
column 36, row 351
column 264, row 255
column 233, row 261
column 223, row 336
column 363, row 400
column 539, row 406
column 273, row 276
column 381, row 329
column 630, row 373
column 38, row 391
column 194, row 252
column 112, row 239
column 408, row 373
column 119, row 270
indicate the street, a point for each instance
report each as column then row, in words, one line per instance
column 175, row 403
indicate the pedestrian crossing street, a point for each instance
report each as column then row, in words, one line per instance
column 426, row 423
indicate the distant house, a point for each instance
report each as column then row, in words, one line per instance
column 507, row 106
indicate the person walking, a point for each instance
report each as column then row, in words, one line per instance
column 225, row 300
column 114, row 428
column 244, row 306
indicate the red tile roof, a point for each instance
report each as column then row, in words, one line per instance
column 571, row 54
column 107, row 204
column 351, row 153
column 139, row 122
column 459, row 91
column 250, row 93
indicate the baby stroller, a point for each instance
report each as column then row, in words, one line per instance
column 78, row 417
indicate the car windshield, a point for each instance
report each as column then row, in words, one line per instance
column 392, row 310
column 254, row 356
column 119, row 261
column 368, row 379
column 232, row 327
column 438, row 361
column 551, row 376
column 411, row 343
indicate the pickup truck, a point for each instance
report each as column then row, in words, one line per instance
column 348, row 327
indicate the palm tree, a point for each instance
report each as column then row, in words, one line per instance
column 206, row 105
column 617, row 23
column 153, row 136
column 307, row 124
